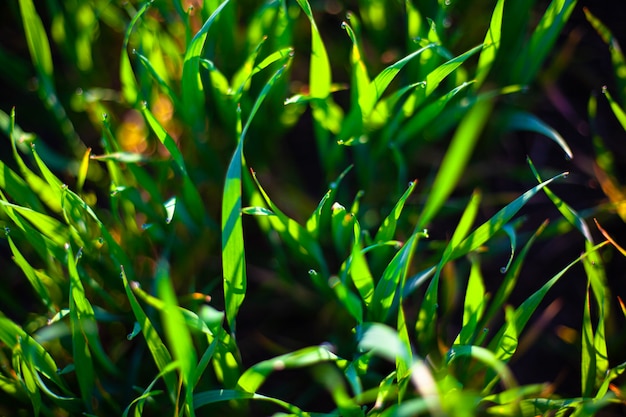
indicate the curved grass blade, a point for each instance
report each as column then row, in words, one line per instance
column 483, row 233
column 475, row 303
column 525, row 121
column 149, row 392
column 566, row 211
column 435, row 77
column 127, row 77
column 253, row 377
column 487, row 357
column 359, row 270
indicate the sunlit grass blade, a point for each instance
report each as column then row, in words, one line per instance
column 159, row 351
column 426, row 115
column 359, row 269
column 295, row 235
column 474, row 306
column 595, row 363
column 491, row 45
column 544, row 36
column 333, row 380
column 528, row 307
column 48, row 226
column 387, row 229
column 127, row 76
column 618, row 111
column 319, row 72
column 176, row 332
column 255, row 376
column 394, row 276
column 157, row 78
column 493, row 225
column 525, row 121
column 434, row 78
column 192, row 89
column 566, row 211
column 35, row 182
column 508, row 284
column 35, row 280
column 83, row 327
column 488, row 358
column 426, row 320
column 233, row 253
column 617, row 56
column 321, row 215
column 455, row 160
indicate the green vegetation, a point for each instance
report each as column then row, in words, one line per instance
column 290, row 208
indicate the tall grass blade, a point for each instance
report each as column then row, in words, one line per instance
column 319, row 72
column 233, row 254
column 455, row 160
column 525, row 121
column 491, row 45
column 176, row 332
column 618, row 111
column 211, row 397
column 127, row 76
column 192, row 89
column 542, row 40
column 160, row 353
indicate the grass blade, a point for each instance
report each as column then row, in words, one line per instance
column 455, row 160
column 192, row 89
column 490, row 46
column 160, row 354
column 253, row 378
column 488, row 229
column 320, row 76
column 526, row 121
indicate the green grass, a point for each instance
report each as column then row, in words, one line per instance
column 173, row 252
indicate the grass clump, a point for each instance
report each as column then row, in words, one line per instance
column 291, row 208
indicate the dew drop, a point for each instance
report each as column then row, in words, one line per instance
column 485, row 330
column 565, row 175
column 101, row 240
column 344, row 25
column 411, row 184
column 604, row 89
column 7, row 231
column 134, row 51
column 66, row 246
column 568, row 157
column 105, row 116
column 292, row 52
column 333, row 185
column 144, row 104
column 503, row 270
column 79, row 254
column 312, row 272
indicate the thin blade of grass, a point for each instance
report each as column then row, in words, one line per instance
column 566, row 211
column 255, row 376
column 488, row 358
column 31, row 275
column 475, row 303
column 160, row 354
column 388, row 228
column 359, row 269
column 192, row 89
column 490, row 46
column 176, row 332
column 525, row 121
column 531, row 59
column 233, row 252
column 434, row 78
column 127, row 76
column 426, row 320
column 617, row 109
column 320, row 75
column 321, row 214
column 595, row 353
column 484, row 232
column 617, row 56
column 455, row 160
